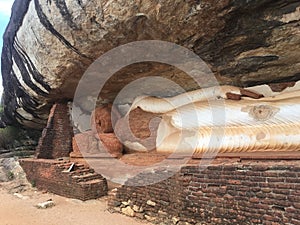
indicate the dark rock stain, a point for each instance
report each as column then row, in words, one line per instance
column 64, row 11
column 15, row 96
column 240, row 24
column 246, row 23
column 46, row 23
column 27, row 102
column 79, row 2
column 24, row 73
column 12, row 87
column 292, row 78
column 287, row 7
column 249, row 64
column 25, row 60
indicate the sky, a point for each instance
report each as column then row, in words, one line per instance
column 5, row 11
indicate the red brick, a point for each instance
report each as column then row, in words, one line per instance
column 292, row 180
column 111, row 144
column 295, row 222
column 237, row 182
column 254, row 200
column 50, row 175
column 245, row 199
column 102, row 118
column 56, row 139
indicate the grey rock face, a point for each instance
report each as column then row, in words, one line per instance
column 48, row 45
column 10, row 169
column 3, row 175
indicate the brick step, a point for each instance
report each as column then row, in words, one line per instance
column 80, row 183
column 81, row 172
column 90, row 182
column 80, row 166
column 64, row 165
column 87, row 177
column 77, row 168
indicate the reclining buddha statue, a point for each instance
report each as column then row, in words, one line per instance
column 220, row 119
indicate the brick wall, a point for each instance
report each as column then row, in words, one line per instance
column 253, row 192
column 56, row 140
column 51, row 175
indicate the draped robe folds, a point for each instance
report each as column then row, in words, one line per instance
column 207, row 120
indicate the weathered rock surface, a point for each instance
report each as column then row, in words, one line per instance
column 49, row 44
column 10, row 169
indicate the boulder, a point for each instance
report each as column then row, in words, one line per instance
column 128, row 211
column 3, row 175
column 48, row 45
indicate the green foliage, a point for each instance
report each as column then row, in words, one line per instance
column 12, row 137
column 10, row 175
column 7, row 136
column 33, row 183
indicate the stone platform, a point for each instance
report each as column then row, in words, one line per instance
column 72, row 180
column 232, row 189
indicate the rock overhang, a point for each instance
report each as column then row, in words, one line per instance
column 48, row 45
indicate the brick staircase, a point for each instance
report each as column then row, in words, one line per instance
column 65, row 178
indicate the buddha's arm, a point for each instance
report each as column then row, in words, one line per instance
column 163, row 105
